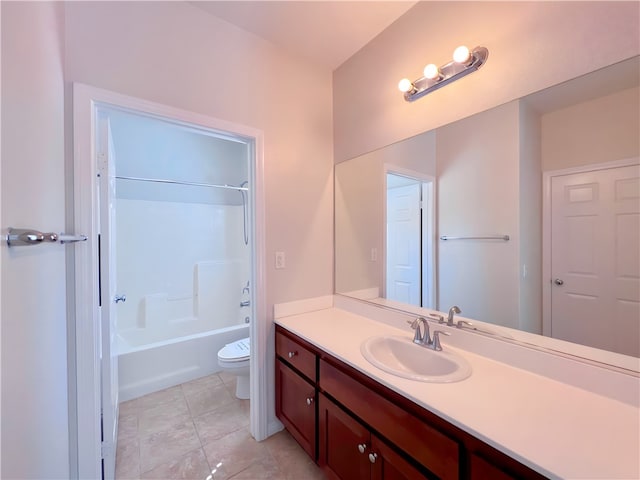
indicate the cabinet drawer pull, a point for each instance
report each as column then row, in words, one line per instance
column 292, row 354
column 362, row 447
column 373, row 457
column 309, row 400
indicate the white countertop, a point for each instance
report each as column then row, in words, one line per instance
column 557, row 429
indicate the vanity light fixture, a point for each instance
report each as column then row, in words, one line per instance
column 464, row 62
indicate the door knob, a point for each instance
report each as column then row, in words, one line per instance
column 362, row 447
column 120, row 298
column 373, row 457
column 558, row 281
column 309, row 400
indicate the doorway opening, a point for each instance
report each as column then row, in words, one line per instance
column 410, row 270
column 171, row 201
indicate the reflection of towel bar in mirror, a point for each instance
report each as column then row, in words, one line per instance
column 486, row 237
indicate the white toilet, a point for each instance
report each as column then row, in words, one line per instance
column 234, row 358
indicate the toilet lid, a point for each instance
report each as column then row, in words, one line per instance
column 236, row 351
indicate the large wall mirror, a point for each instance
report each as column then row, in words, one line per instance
column 526, row 216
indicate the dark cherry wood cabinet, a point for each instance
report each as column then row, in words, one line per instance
column 296, row 390
column 296, row 407
column 356, row 428
column 348, row 449
column 427, row 445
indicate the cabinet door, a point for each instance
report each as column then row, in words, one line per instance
column 344, row 443
column 386, row 464
column 296, row 407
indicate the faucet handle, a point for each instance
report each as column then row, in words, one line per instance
column 435, row 344
column 435, row 316
column 462, row 323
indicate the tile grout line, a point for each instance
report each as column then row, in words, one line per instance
column 228, row 387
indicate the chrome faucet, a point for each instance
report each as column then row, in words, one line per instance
column 419, row 337
column 425, row 339
column 453, row 310
column 246, row 303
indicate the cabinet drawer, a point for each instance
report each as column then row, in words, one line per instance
column 297, row 355
column 427, row 445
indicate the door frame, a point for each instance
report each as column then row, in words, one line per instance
column 85, row 407
column 546, row 226
column 427, row 227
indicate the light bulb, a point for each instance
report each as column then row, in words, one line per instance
column 405, row 85
column 461, row 54
column 431, row 71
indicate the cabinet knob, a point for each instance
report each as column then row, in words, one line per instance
column 292, row 354
column 362, row 447
column 309, row 400
column 373, row 457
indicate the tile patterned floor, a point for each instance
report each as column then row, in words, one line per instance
column 200, row 430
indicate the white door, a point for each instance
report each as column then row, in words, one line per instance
column 108, row 304
column 403, row 244
column 595, row 259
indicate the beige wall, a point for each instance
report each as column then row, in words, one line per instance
column 360, row 203
column 174, row 53
column 478, row 195
column 597, row 131
column 532, row 45
column 530, row 221
column 34, row 402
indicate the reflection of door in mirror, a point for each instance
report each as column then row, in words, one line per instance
column 595, row 248
column 409, row 240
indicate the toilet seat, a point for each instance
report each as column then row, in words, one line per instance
column 235, row 352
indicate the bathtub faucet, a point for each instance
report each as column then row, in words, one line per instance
column 246, row 303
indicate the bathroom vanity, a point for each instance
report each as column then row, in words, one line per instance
column 358, row 421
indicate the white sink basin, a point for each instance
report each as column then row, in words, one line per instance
column 400, row 356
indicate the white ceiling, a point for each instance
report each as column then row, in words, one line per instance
column 324, row 32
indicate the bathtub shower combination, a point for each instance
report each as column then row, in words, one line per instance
column 183, row 304
column 183, row 256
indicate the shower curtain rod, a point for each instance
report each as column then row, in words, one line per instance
column 175, row 182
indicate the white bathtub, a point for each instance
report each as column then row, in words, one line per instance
column 145, row 367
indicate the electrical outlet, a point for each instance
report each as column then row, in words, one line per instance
column 280, row 260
